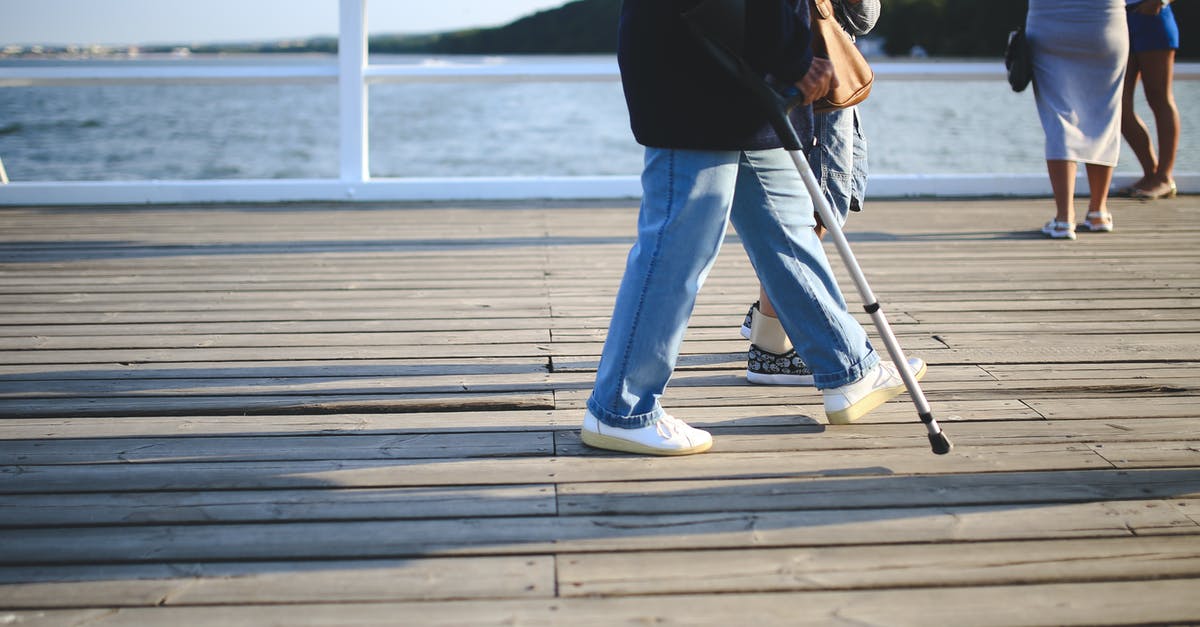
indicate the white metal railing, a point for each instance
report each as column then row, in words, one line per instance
column 353, row 74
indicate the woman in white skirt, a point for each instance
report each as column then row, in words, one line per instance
column 1079, row 48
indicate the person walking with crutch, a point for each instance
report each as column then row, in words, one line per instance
column 711, row 157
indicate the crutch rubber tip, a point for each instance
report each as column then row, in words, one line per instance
column 940, row 443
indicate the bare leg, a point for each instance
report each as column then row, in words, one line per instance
column 764, row 303
column 1157, row 76
column 1099, row 178
column 1062, row 180
column 1133, row 129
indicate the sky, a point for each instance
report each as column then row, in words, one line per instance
column 25, row 22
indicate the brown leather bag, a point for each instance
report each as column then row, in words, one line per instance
column 853, row 72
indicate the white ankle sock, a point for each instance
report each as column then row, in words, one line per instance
column 767, row 333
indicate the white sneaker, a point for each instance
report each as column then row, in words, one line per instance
column 668, row 436
column 852, row 401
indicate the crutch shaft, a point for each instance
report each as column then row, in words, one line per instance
column 937, row 439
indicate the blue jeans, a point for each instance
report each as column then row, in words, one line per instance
column 839, row 159
column 689, row 198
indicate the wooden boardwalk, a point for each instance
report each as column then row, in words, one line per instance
column 367, row 414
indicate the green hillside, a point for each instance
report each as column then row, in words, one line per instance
column 584, row 26
column 940, row 28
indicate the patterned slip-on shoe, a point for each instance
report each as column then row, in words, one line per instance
column 765, row 368
column 749, row 320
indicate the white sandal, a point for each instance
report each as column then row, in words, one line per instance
column 1105, row 224
column 1059, row 230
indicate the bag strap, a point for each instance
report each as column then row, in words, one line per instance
column 823, row 9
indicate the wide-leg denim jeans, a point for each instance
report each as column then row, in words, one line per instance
column 689, row 197
column 839, row 159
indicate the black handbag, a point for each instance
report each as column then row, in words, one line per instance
column 1018, row 60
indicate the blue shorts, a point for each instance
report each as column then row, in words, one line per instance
column 1153, row 32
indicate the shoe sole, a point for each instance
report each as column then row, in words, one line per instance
column 870, row 401
column 759, row 378
column 597, row 440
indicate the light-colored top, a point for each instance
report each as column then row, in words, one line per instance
column 1079, row 48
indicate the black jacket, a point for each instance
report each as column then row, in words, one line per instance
column 678, row 97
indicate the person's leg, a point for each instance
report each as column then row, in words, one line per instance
column 1133, row 128
column 774, row 219
column 682, row 223
column 1099, row 178
column 1062, row 181
column 833, row 163
column 773, row 216
column 1157, row 68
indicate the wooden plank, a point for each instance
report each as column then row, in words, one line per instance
column 890, row 566
column 593, row 466
column 917, row 306
column 200, row 353
column 976, row 348
column 276, row 448
column 780, row 428
column 273, row 340
column 287, row 424
column 221, row 584
column 157, row 585
column 1143, row 455
column 365, row 313
column 297, row 383
column 416, row 302
column 65, row 326
column 328, row 367
column 1084, row 407
column 347, row 540
column 857, row 492
column 732, row 389
column 943, row 384
column 330, row 503
column 267, row 404
column 333, row 503
column 1068, row 604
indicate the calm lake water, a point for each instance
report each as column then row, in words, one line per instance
column 121, row 132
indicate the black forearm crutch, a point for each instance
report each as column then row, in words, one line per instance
column 719, row 25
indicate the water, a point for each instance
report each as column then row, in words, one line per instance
column 127, row 132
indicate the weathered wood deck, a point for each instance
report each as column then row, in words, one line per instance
column 367, row 414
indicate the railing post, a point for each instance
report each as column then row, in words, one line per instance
column 352, row 87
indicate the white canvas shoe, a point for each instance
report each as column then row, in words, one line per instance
column 668, row 436
column 852, row 401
